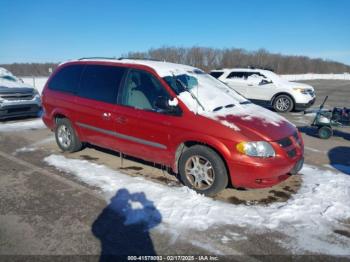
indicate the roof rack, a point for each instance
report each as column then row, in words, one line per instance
column 96, row 57
column 262, row 68
column 120, row 58
column 138, row 58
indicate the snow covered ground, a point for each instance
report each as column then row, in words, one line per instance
column 21, row 126
column 308, row 220
column 345, row 76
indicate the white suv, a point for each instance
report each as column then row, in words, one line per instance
column 265, row 88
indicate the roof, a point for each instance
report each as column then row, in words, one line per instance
column 241, row 70
column 162, row 68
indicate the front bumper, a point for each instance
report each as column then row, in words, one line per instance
column 252, row 172
column 19, row 110
column 246, row 175
column 303, row 106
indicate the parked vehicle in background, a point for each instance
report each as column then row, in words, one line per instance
column 16, row 98
column 266, row 88
column 174, row 115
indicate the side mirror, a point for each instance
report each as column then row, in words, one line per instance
column 162, row 103
column 265, row 82
column 164, row 106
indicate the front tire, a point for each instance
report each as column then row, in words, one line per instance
column 203, row 170
column 66, row 137
column 283, row 104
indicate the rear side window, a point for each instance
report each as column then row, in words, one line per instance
column 67, row 79
column 216, row 74
column 100, row 82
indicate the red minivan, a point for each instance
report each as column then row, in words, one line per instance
column 174, row 115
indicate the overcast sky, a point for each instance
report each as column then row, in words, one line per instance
column 40, row 31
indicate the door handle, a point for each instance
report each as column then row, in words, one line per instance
column 106, row 115
column 121, row 120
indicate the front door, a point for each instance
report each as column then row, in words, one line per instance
column 146, row 131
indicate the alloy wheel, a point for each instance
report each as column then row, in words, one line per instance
column 199, row 172
column 64, row 136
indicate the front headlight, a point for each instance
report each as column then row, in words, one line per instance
column 301, row 90
column 256, row 149
column 36, row 94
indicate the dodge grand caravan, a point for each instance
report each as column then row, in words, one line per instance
column 174, row 115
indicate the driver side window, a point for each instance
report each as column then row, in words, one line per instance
column 141, row 90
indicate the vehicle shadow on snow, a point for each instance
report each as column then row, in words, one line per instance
column 123, row 226
column 339, row 158
column 312, row 131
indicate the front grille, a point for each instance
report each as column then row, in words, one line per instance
column 289, row 144
column 18, row 110
column 296, row 137
column 292, row 153
column 285, row 142
column 310, row 92
column 14, row 97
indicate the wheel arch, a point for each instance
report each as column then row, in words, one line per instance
column 219, row 149
column 283, row 93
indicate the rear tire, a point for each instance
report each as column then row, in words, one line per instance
column 283, row 104
column 325, row 132
column 66, row 137
column 203, row 170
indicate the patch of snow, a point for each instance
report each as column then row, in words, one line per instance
column 225, row 239
column 230, row 125
column 173, row 102
column 249, row 112
column 313, row 149
column 22, row 125
column 12, row 84
column 34, row 146
column 162, row 68
column 308, row 219
column 207, row 247
column 25, row 149
column 311, row 114
column 345, row 76
column 5, row 72
column 302, row 120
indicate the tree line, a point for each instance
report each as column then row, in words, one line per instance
column 30, row 69
column 211, row 58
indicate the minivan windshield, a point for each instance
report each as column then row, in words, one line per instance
column 202, row 92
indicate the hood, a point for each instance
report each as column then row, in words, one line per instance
column 12, row 84
column 292, row 85
column 255, row 122
column 11, row 90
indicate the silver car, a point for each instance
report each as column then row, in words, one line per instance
column 16, row 98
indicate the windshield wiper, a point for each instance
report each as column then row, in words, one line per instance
column 245, row 102
column 189, row 91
